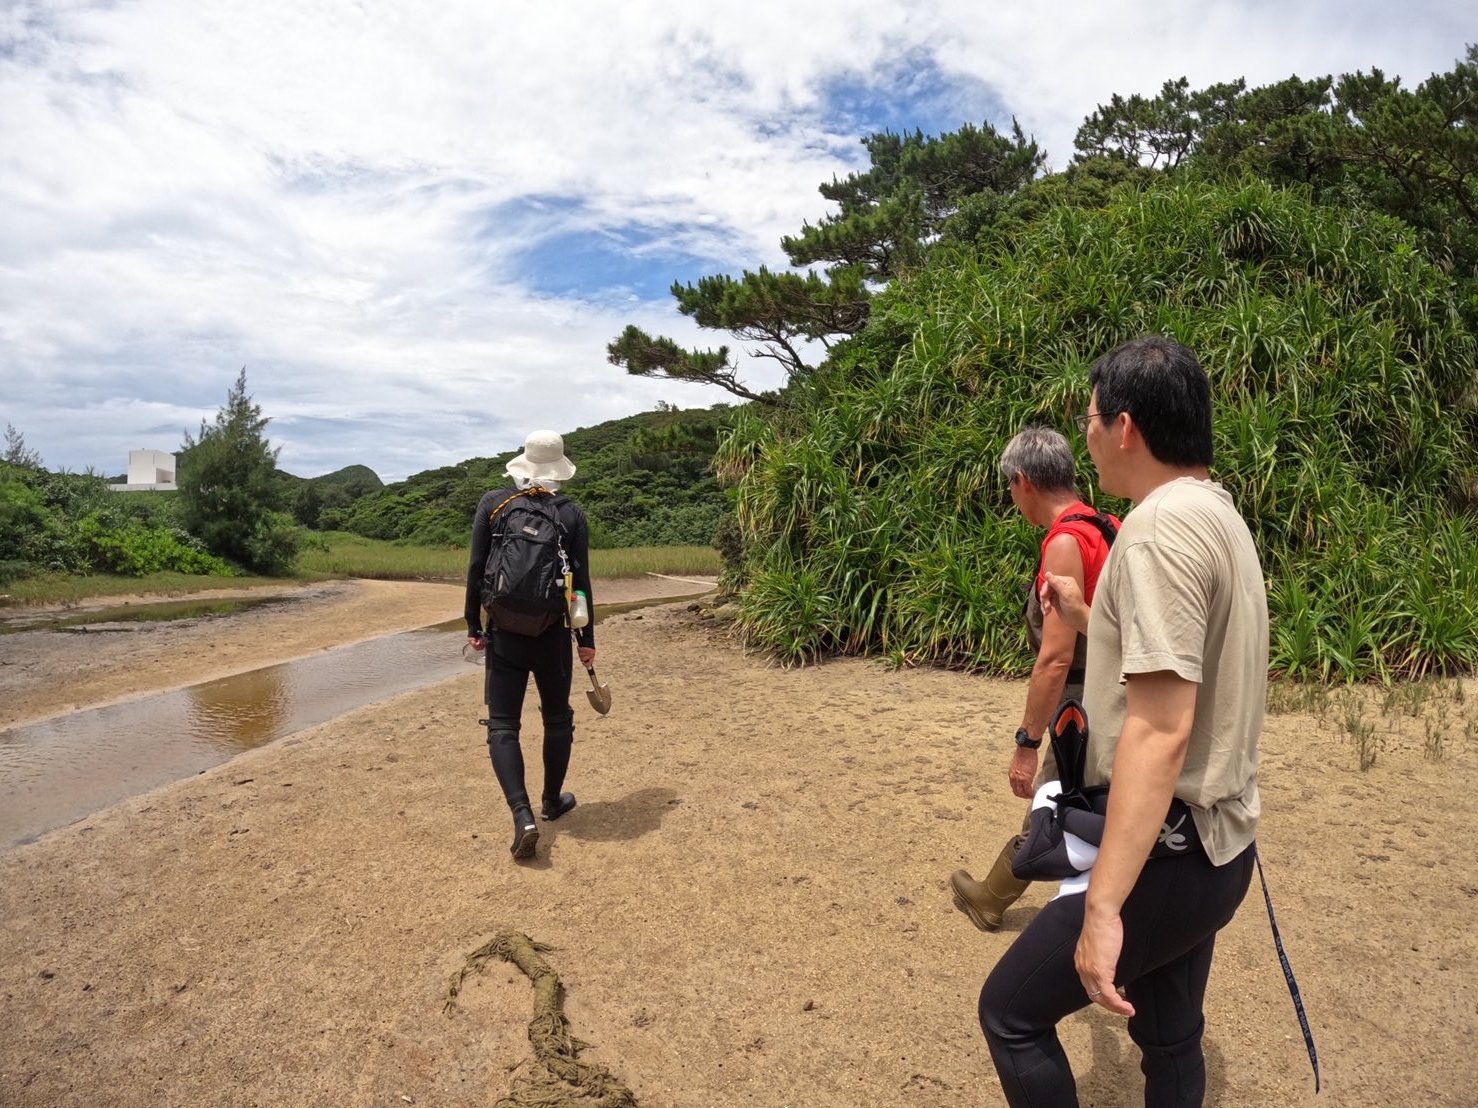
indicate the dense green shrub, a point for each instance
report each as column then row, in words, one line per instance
column 23, row 520
column 133, row 549
column 874, row 517
column 74, row 524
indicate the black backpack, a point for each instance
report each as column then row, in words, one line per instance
column 523, row 582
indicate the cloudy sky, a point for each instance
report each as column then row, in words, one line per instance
column 417, row 224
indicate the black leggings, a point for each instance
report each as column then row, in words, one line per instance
column 509, row 661
column 1170, row 923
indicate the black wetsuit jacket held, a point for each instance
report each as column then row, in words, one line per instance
column 577, row 546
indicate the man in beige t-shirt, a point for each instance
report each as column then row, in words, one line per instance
column 1183, row 593
column 1174, row 691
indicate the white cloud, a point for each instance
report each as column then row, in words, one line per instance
column 322, row 190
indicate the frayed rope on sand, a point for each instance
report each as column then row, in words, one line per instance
column 557, row 1079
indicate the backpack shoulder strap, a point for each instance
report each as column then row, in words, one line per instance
column 556, row 500
column 494, row 513
column 1106, row 526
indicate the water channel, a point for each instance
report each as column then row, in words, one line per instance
column 59, row 770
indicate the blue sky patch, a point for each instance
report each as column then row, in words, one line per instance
column 590, row 262
column 562, row 259
column 911, row 94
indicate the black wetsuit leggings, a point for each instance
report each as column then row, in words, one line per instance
column 509, row 661
column 1170, row 924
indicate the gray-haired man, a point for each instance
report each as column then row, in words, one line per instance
column 1038, row 464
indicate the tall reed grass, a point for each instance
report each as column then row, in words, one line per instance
column 875, row 521
column 67, row 589
column 342, row 554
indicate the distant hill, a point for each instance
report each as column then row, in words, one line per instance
column 643, row 480
column 310, row 497
column 352, row 477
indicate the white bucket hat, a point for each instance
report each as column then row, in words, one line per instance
column 543, row 459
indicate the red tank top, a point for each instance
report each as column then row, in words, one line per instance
column 1091, row 545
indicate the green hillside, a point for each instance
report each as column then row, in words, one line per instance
column 644, row 480
column 358, row 479
column 311, row 497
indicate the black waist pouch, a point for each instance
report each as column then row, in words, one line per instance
column 1080, row 811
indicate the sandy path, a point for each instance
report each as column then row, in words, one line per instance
column 748, row 907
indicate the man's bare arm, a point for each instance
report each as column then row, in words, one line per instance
column 1160, row 708
column 1049, row 672
column 1059, row 641
column 1063, row 597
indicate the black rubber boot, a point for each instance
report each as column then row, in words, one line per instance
column 553, row 807
column 559, row 737
column 507, row 757
column 525, row 833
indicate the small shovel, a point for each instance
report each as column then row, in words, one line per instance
column 600, row 695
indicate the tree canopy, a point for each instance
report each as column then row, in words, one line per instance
column 1359, row 138
column 888, row 216
column 17, row 453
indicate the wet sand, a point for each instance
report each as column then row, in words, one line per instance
column 45, row 673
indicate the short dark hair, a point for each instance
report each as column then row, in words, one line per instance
column 1162, row 386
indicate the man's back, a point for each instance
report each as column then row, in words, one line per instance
column 1183, row 591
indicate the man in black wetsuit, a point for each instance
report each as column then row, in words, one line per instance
column 510, row 658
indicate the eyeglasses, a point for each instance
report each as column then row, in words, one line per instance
column 1082, row 420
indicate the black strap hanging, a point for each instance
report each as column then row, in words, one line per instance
column 1298, row 1003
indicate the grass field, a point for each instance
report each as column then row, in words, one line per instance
column 345, row 555
column 340, row 554
column 354, row 556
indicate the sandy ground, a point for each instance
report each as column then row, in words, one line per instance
column 749, row 906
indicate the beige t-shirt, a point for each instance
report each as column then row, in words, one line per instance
column 1183, row 590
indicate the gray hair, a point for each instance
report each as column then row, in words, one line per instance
column 1043, row 456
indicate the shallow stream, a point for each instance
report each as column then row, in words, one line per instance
column 59, row 770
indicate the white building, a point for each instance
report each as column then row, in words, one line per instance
column 149, row 469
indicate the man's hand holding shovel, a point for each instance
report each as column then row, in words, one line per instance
column 600, row 695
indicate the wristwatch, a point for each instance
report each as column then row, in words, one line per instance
column 1024, row 738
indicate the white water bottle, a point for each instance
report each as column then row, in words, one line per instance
column 580, row 610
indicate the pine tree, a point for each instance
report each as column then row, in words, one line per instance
column 230, row 497
column 17, row 453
